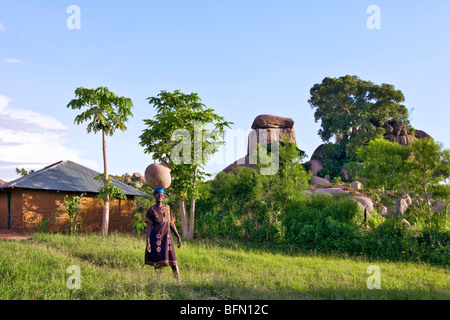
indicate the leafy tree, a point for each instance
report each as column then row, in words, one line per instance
column 284, row 186
column 350, row 108
column 422, row 168
column 247, row 204
column 183, row 117
column 353, row 111
column 429, row 169
column 109, row 189
column 23, row 172
column 106, row 113
column 385, row 165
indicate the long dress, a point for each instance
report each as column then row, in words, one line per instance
column 159, row 222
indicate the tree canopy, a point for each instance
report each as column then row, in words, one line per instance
column 353, row 109
column 178, row 135
column 106, row 112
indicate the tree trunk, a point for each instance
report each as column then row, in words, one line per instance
column 190, row 234
column 105, row 221
column 184, row 225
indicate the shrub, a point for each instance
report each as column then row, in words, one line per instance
column 248, row 205
column 71, row 208
column 322, row 222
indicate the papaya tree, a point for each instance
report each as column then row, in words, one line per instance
column 105, row 112
column 178, row 135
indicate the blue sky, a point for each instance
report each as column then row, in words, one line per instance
column 243, row 58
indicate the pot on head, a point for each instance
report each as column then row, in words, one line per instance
column 157, row 175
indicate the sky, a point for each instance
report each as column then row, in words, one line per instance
column 243, row 58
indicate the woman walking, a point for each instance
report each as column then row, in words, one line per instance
column 160, row 250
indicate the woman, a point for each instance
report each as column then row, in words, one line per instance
column 160, row 250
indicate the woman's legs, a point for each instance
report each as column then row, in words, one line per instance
column 176, row 272
column 158, row 270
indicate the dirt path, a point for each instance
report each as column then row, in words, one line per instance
column 12, row 235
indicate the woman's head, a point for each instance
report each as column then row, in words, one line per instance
column 159, row 195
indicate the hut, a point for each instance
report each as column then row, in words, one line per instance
column 27, row 201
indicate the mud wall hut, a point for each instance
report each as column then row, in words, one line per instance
column 27, row 201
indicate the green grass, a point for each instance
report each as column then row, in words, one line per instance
column 113, row 267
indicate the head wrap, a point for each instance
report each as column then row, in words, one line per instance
column 159, row 190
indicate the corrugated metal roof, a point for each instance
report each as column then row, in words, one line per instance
column 68, row 176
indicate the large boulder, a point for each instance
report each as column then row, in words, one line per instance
column 364, row 202
column 315, row 166
column 265, row 129
column 356, row 185
column 268, row 128
column 419, row 134
column 438, row 207
column 139, row 177
column 315, row 180
column 317, row 154
column 242, row 162
column 266, row 121
column 396, row 131
column 327, row 190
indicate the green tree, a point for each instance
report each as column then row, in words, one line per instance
column 106, row 112
column 353, row 111
column 23, row 172
column 385, row 165
column 429, row 169
column 422, row 168
column 247, row 204
column 349, row 107
column 183, row 117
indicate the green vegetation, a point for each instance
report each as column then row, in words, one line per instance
column 353, row 111
column 248, row 205
column 263, row 236
column 71, row 208
column 107, row 113
column 274, row 208
column 183, row 117
column 420, row 169
column 112, row 268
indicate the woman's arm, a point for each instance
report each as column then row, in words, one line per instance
column 174, row 228
column 175, row 231
column 149, row 229
column 149, row 247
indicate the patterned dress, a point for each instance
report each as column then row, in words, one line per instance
column 159, row 222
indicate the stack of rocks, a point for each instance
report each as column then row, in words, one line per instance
column 265, row 129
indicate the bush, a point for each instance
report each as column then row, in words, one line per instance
column 322, row 222
column 393, row 240
column 248, row 205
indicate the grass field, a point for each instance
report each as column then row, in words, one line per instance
column 112, row 268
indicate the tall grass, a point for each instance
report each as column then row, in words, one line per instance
column 113, row 267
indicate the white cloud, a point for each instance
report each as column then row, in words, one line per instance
column 12, row 60
column 4, row 101
column 32, row 140
column 2, row 27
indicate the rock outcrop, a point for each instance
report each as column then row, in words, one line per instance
column 265, row 129
column 364, row 202
column 395, row 131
